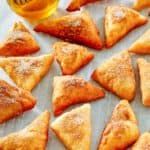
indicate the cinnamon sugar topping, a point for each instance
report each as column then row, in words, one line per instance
column 26, row 66
column 74, row 82
column 68, row 49
column 118, row 15
column 76, row 22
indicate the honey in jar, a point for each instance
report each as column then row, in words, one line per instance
column 34, row 9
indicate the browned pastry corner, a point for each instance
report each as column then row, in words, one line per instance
column 117, row 75
column 141, row 4
column 143, row 142
column 78, row 28
column 141, row 45
column 13, row 101
column 71, row 57
column 144, row 71
column 27, row 72
column 74, row 128
column 119, row 20
column 76, row 4
column 33, row 137
column 70, row 90
column 122, row 130
column 19, row 42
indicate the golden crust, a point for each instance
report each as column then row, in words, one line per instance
column 27, row 72
column 74, row 128
column 142, row 45
column 71, row 57
column 69, row 90
column 19, row 42
column 122, row 130
column 120, row 20
column 78, row 28
column 76, row 4
column 33, row 137
column 124, row 112
column 13, row 101
column 143, row 142
column 117, row 76
column 144, row 71
column 141, row 4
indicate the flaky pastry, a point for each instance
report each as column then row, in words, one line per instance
column 27, row 72
column 74, row 128
column 71, row 57
column 78, row 28
column 19, row 42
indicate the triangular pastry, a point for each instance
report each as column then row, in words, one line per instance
column 77, row 28
column 74, row 128
column 143, row 142
column 144, row 71
column 13, row 101
column 76, row 4
column 142, row 45
column 69, row 90
column 119, row 20
column 27, row 72
column 124, row 112
column 117, row 75
column 19, row 42
column 33, row 137
column 141, row 4
column 122, row 129
column 71, row 57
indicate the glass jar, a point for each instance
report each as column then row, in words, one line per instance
column 34, row 9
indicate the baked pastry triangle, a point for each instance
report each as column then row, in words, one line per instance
column 144, row 71
column 19, row 42
column 141, row 4
column 143, row 142
column 77, row 28
column 33, row 137
column 71, row 57
column 122, row 129
column 142, row 45
column 27, row 72
column 117, row 75
column 69, row 90
column 74, row 128
column 119, row 20
column 76, row 4
column 13, row 101
column 124, row 112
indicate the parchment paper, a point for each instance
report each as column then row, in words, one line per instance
column 101, row 109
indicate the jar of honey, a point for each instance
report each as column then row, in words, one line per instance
column 33, row 9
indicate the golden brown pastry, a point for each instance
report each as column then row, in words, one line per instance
column 122, row 129
column 74, row 128
column 120, row 20
column 77, row 28
column 13, row 101
column 142, row 45
column 19, row 42
column 27, row 72
column 117, row 75
column 141, row 4
column 33, row 137
column 144, row 71
column 69, row 90
column 143, row 142
column 71, row 57
column 76, row 4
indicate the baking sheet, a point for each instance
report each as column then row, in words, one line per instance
column 101, row 110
